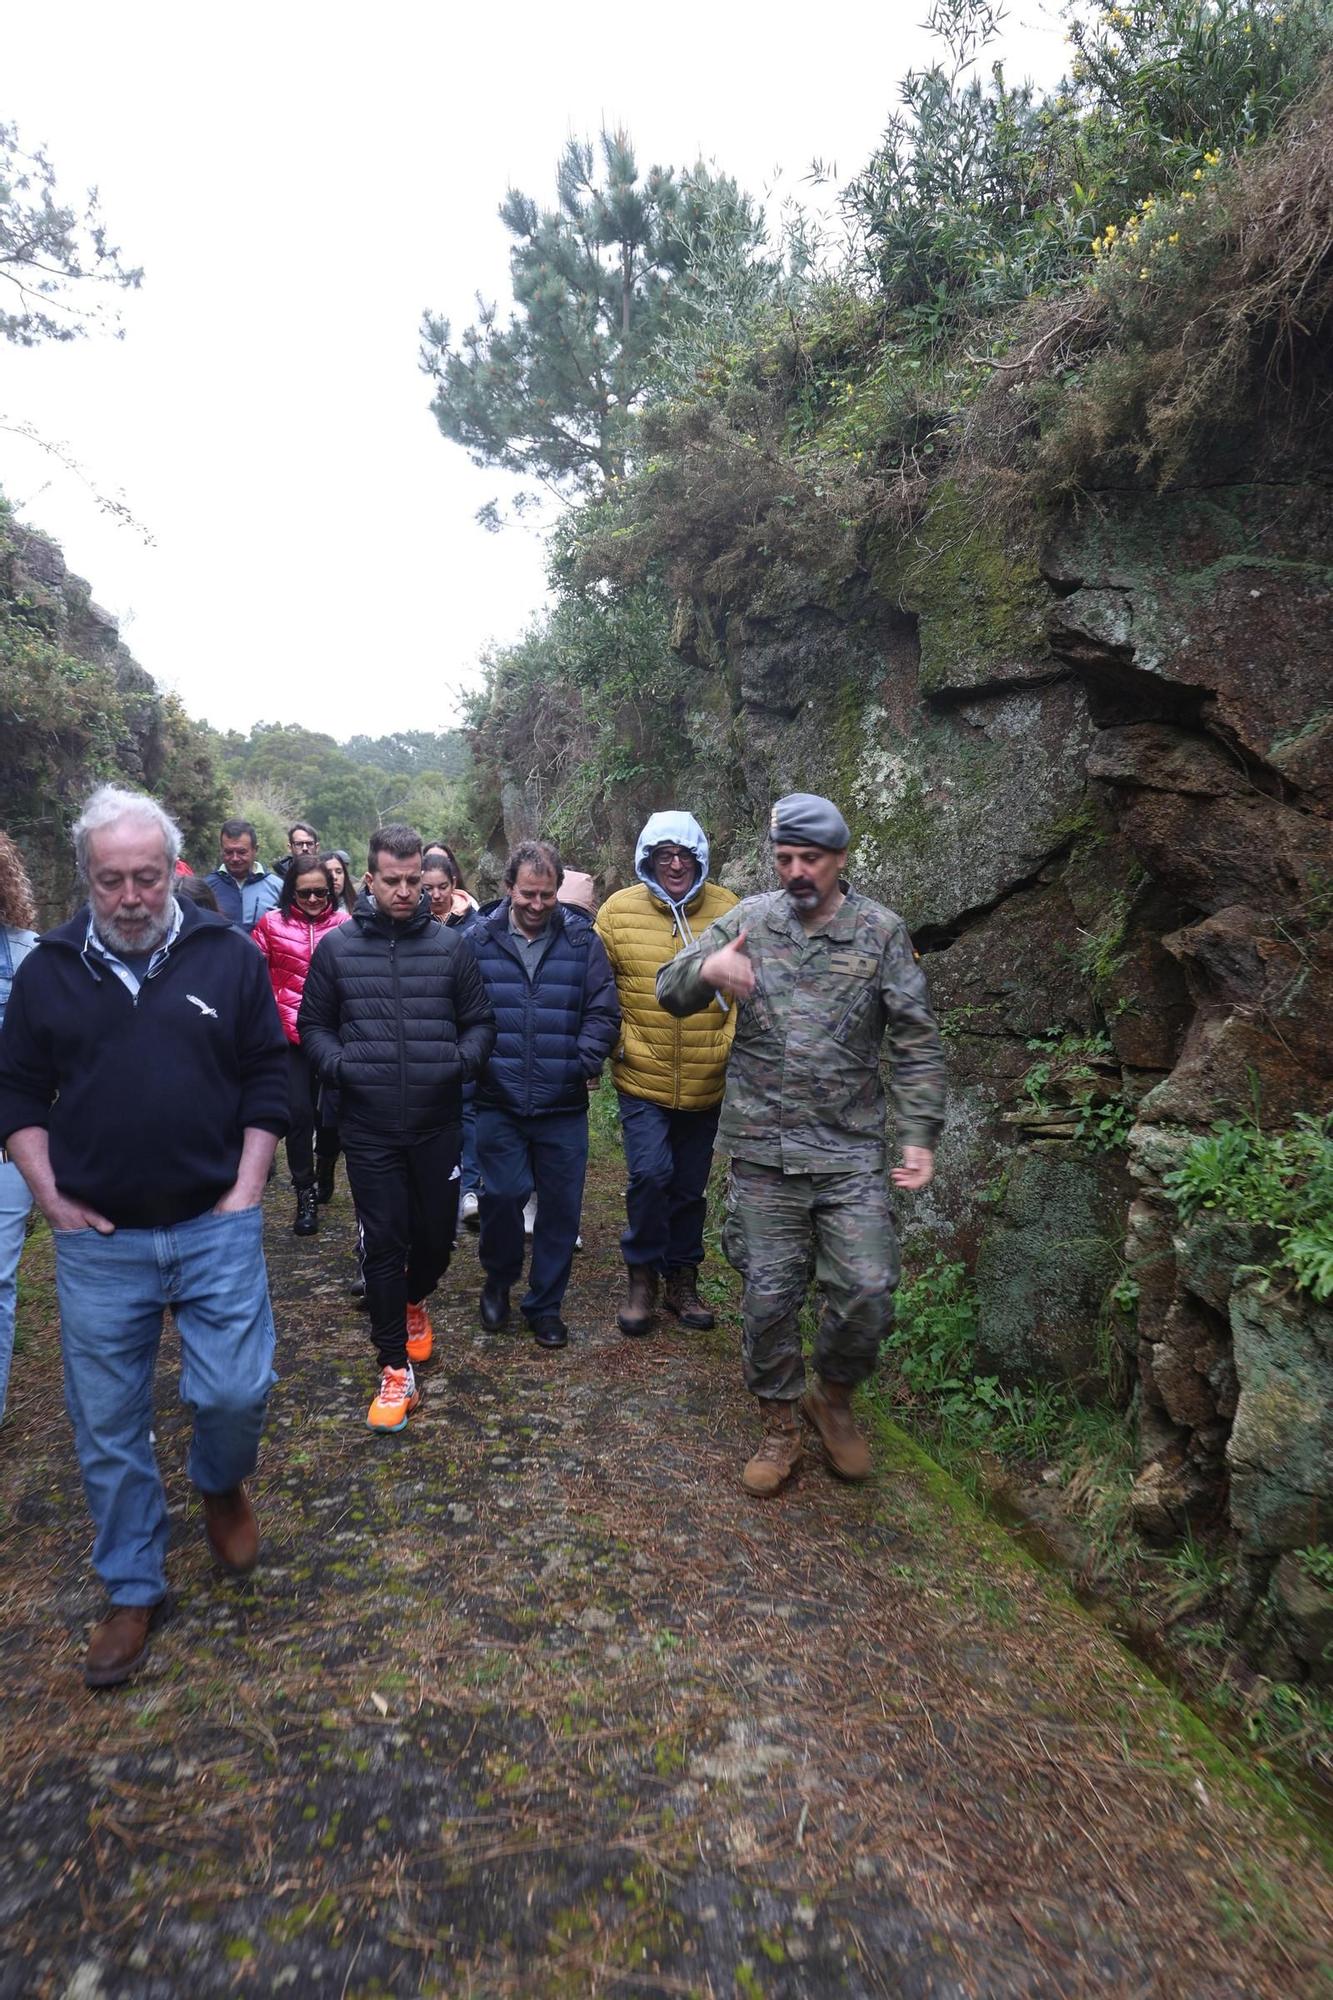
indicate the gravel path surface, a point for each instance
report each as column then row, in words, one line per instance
column 533, row 1700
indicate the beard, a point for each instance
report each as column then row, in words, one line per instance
column 146, row 935
column 804, row 894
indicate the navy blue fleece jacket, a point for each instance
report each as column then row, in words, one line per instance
column 145, row 1099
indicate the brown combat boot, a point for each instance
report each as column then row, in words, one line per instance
column 680, row 1295
column 119, row 1643
column 232, row 1530
column 779, row 1454
column 827, row 1405
column 636, row 1315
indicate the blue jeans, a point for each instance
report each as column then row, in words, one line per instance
column 15, row 1201
column 112, row 1292
column 471, row 1176
column 516, row 1155
column 669, row 1155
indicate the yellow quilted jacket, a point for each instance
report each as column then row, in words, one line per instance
column 681, row 1064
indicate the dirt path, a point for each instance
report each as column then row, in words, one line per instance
column 531, row 1700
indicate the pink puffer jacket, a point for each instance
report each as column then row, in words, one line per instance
column 288, row 943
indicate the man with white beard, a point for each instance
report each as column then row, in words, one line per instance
column 143, row 1088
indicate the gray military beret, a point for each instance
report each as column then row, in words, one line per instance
column 806, row 820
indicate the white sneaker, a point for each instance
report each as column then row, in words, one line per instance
column 529, row 1215
column 468, row 1212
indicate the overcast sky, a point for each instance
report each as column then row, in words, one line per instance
column 299, row 181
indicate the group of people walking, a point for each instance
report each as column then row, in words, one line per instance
column 154, row 1050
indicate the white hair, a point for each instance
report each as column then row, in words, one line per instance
column 109, row 806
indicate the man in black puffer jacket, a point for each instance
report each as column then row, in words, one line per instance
column 395, row 1018
column 557, row 1017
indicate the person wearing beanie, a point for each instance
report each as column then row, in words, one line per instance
column 819, row 975
column 668, row 1074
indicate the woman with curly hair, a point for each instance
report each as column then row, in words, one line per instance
column 17, row 938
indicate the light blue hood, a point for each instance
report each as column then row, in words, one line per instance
column 682, row 830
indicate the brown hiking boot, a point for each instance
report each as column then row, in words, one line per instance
column 779, row 1454
column 680, row 1295
column 119, row 1643
column 636, row 1315
column 827, row 1405
column 232, row 1530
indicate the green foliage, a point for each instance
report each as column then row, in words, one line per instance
column 938, row 1388
column 281, row 772
column 585, row 712
column 596, row 280
column 983, row 194
column 1317, row 1562
column 70, row 721
column 1066, row 1076
column 434, row 753
column 1102, row 948
column 1278, row 1181
column 56, row 260
column 1197, row 1574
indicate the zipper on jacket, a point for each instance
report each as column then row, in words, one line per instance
column 402, row 1035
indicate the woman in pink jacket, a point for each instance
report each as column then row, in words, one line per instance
column 288, row 936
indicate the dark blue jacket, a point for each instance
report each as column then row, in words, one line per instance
column 145, row 1098
column 554, row 1032
column 243, row 904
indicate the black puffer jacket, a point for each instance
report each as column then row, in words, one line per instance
column 396, row 1018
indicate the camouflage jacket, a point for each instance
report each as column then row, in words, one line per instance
column 804, row 1090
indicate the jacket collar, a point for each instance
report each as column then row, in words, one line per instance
column 371, row 918
column 841, row 927
column 193, row 918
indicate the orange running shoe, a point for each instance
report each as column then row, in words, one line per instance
column 397, row 1399
column 420, row 1339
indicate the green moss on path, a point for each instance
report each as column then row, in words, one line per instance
column 531, row 1700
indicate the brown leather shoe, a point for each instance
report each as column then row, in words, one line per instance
column 119, row 1643
column 827, row 1405
column 779, row 1454
column 232, row 1530
column 680, row 1295
column 636, row 1315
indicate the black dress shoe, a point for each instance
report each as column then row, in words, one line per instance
column 494, row 1305
column 550, row 1331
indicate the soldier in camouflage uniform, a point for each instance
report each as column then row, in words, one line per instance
column 819, row 973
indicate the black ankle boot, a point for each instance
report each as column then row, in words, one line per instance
column 324, row 1171
column 307, row 1211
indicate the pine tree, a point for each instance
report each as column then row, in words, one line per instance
column 596, row 281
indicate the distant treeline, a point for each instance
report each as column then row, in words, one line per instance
column 281, row 772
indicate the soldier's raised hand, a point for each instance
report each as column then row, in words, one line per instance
column 729, row 970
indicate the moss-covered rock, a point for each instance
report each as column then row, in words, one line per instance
column 1047, row 1260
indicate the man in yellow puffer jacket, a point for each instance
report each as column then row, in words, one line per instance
column 669, row 1074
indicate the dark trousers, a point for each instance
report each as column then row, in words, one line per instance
column 669, row 1155
column 306, row 1136
column 515, row 1156
column 406, row 1200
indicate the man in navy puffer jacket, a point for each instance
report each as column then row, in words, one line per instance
column 556, row 1021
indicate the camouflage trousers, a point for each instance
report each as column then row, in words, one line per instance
column 783, row 1228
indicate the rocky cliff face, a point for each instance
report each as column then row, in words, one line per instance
column 1095, row 774
column 77, row 709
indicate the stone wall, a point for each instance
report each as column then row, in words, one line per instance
column 1095, row 774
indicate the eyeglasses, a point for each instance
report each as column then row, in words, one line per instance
column 672, row 854
column 312, row 895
